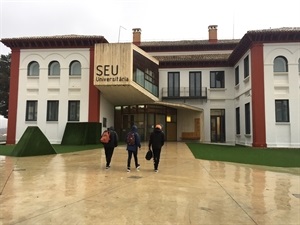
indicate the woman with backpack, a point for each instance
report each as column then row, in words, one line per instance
column 133, row 143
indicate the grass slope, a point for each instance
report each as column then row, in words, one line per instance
column 7, row 149
column 238, row 154
column 247, row 155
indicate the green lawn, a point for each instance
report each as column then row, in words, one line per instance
column 238, row 154
column 247, row 155
column 7, row 149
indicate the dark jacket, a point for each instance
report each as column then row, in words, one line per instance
column 137, row 139
column 157, row 139
column 113, row 139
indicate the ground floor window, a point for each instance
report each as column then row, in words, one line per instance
column 74, row 111
column 52, row 111
column 247, row 119
column 31, row 110
column 282, row 110
column 237, row 121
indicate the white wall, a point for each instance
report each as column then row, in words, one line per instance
column 216, row 99
column 106, row 111
column 43, row 88
column 282, row 86
column 242, row 96
column 3, row 128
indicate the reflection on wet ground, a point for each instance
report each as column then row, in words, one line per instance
column 75, row 188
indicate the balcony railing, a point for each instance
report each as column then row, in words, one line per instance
column 184, row 93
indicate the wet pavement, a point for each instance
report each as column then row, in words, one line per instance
column 75, row 188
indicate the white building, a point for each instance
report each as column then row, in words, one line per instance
column 243, row 92
column 3, row 129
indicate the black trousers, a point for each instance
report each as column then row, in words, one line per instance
column 156, row 157
column 134, row 153
column 109, row 151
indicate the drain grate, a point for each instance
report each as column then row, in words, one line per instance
column 297, row 195
column 135, row 177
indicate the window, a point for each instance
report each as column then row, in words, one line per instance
column 237, row 120
column 145, row 73
column 140, row 77
column 280, row 64
column 73, row 113
column 299, row 65
column 246, row 67
column 54, row 68
column 104, row 122
column 282, row 110
column 31, row 111
column 151, row 82
column 52, row 111
column 173, row 84
column 247, row 119
column 217, row 79
column 75, row 68
column 195, row 84
column 146, row 79
column 33, row 69
column 237, row 75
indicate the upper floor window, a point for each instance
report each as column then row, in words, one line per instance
column 54, row 68
column 33, row 69
column 237, row 75
column 280, row 64
column 217, row 79
column 282, row 110
column 173, row 84
column 31, row 111
column 246, row 67
column 195, row 84
column 75, row 68
column 52, row 111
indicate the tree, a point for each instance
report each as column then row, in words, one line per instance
column 4, row 84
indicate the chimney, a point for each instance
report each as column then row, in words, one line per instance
column 213, row 33
column 136, row 37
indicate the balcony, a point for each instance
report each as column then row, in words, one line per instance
column 184, row 93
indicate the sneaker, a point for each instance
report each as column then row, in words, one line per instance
column 155, row 171
column 138, row 167
column 107, row 167
column 128, row 170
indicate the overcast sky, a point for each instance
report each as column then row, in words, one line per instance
column 160, row 20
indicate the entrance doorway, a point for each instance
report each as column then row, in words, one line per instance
column 145, row 117
column 217, row 125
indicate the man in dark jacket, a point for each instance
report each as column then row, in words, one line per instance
column 110, row 146
column 156, row 141
column 132, row 149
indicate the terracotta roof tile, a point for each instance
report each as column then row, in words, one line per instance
column 191, row 58
column 282, row 29
column 53, row 41
column 187, row 42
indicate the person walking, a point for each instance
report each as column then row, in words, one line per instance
column 133, row 144
column 110, row 145
column 156, row 141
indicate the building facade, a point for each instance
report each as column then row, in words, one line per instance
column 244, row 91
